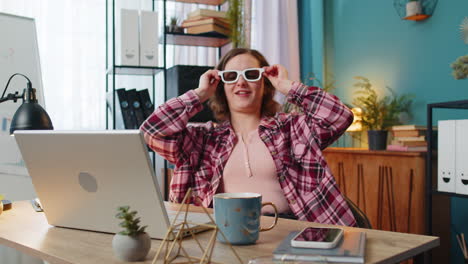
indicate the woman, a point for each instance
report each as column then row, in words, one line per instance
column 254, row 148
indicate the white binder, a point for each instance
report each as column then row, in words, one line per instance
column 148, row 38
column 446, row 156
column 127, row 38
column 461, row 157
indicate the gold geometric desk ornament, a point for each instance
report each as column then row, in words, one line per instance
column 177, row 231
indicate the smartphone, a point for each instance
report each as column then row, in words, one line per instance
column 317, row 237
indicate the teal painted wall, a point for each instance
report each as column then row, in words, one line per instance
column 368, row 38
column 311, row 41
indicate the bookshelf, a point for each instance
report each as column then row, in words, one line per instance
column 155, row 78
column 431, row 169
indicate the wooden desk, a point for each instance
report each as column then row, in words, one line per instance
column 27, row 231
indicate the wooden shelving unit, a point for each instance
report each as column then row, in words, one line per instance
column 195, row 40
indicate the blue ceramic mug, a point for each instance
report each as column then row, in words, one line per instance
column 237, row 216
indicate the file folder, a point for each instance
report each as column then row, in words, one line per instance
column 446, row 156
column 461, row 157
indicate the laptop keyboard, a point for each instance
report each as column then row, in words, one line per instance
column 200, row 218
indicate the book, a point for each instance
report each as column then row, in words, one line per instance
column 420, row 138
column 207, row 13
column 409, row 127
column 406, row 148
column 206, row 20
column 408, row 133
column 351, row 249
column 409, row 143
column 209, row 28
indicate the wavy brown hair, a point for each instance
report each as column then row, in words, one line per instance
column 218, row 102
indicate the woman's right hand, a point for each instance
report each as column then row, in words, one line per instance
column 207, row 84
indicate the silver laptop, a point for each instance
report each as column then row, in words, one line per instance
column 81, row 177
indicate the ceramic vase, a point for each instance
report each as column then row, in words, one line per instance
column 131, row 248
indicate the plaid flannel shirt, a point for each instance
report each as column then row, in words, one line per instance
column 295, row 142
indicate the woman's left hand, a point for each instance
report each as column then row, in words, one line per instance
column 278, row 76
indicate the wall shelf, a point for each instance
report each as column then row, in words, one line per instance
column 450, row 194
column 204, row 2
column 196, row 40
column 134, row 70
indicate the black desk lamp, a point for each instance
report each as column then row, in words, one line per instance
column 30, row 115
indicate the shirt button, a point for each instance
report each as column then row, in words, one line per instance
column 292, row 201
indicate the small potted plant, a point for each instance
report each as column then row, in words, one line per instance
column 132, row 243
column 173, row 26
column 413, row 7
column 379, row 114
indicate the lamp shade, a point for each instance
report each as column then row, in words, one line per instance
column 30, row 116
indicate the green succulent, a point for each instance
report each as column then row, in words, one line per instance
column 380, row 113
column 130, row 224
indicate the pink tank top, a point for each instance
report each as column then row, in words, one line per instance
column 250, row 168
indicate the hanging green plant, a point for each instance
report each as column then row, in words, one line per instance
column 235, row 16
column 460, row 68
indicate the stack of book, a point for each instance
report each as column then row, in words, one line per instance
column 408, row 138
column 207, row 22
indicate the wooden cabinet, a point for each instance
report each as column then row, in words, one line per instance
column 388, row 186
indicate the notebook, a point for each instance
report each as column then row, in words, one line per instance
column 350, row 249
column 81, row 177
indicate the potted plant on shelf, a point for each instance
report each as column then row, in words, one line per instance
column 413, row 7
column 133, row 243
column 379, row 113
column 173, row 26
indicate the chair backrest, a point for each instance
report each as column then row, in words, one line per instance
column 361, row 218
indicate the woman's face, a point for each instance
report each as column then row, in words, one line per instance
column 244, row 96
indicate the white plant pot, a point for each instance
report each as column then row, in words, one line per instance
column 413, row 8
column 131, row 248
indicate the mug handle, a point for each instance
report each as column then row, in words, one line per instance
column 276, row 216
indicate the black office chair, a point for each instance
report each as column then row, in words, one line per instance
column 361, row 218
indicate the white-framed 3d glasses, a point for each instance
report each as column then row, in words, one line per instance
column 250, row 75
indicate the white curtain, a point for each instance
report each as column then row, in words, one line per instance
column 275, row 33
column 71, row 37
